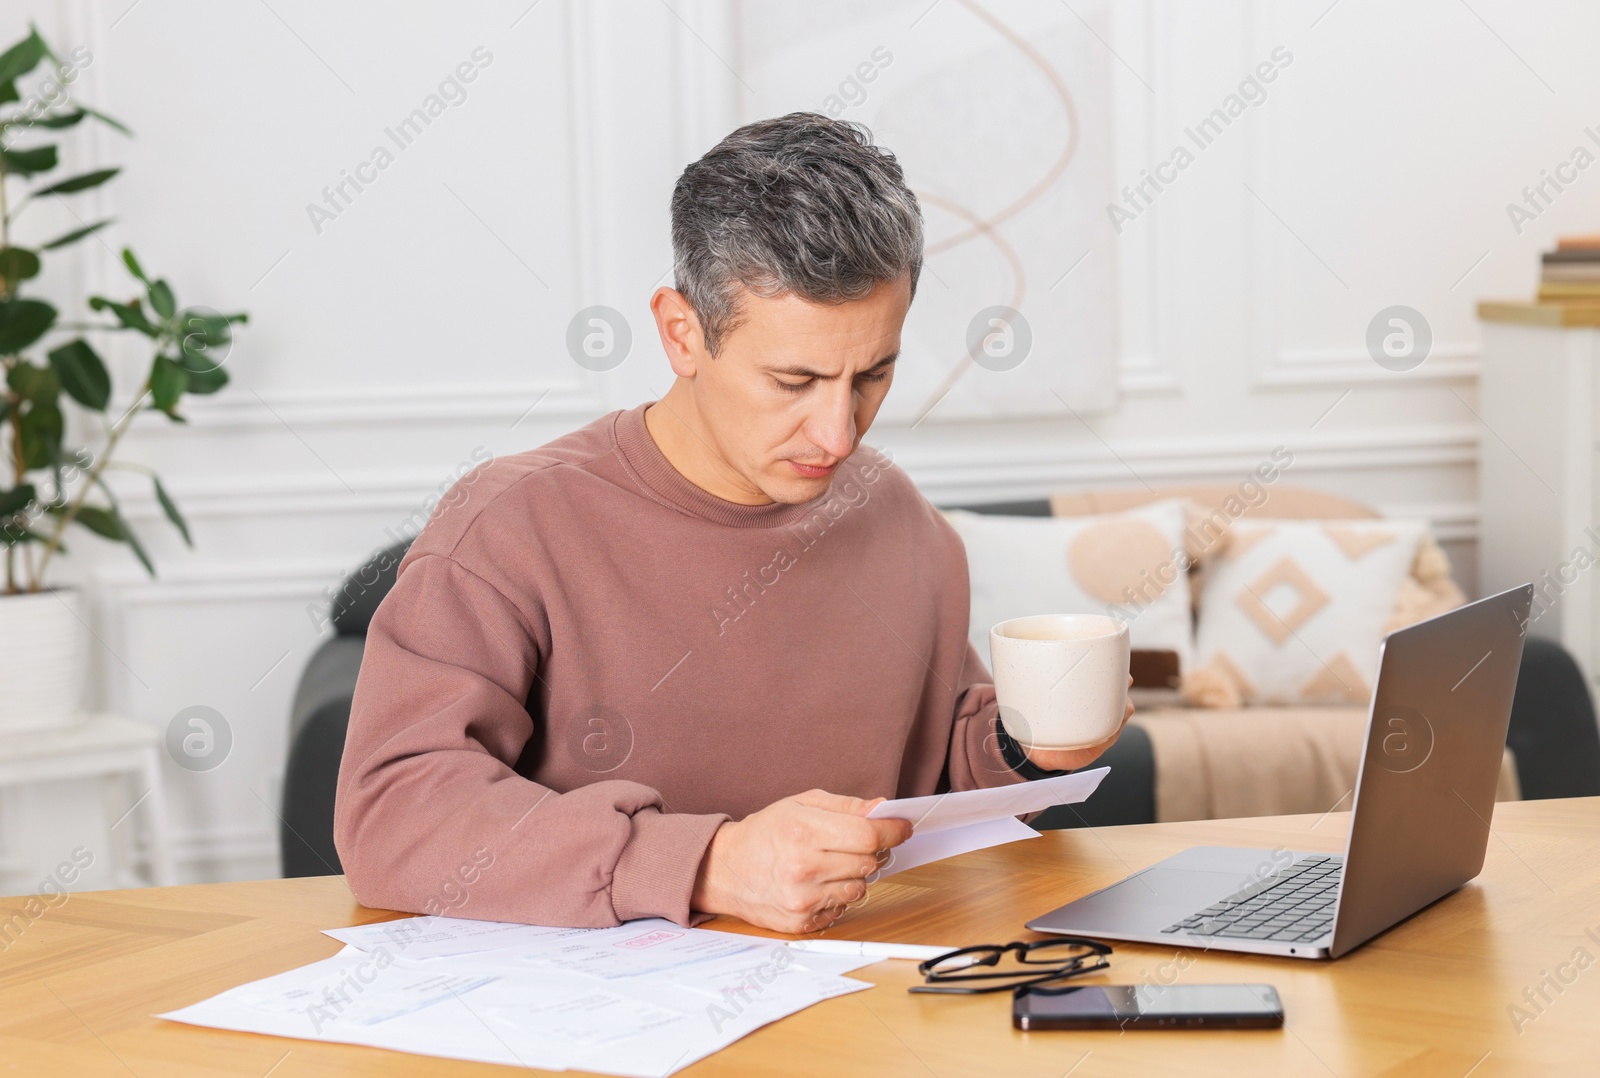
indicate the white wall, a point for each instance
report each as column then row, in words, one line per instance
column 430, row 316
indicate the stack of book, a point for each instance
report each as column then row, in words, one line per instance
column 1571, row 273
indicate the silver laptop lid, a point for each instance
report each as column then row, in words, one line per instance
column 1425, row 790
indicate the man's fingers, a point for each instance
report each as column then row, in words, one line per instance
column 891, row 832
column 840, row 833
column 820, row 921
column 831, row 867
column 845, row 829
column 836, row 896
column 850, row 806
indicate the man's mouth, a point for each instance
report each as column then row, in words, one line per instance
column 813, row 471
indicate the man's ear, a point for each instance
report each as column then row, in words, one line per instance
column 679, row 328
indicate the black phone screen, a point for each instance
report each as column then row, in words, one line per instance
column 1235, row 1006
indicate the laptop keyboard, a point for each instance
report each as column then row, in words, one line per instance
column 1292, row 907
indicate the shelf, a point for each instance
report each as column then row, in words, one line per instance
column 1529, row 313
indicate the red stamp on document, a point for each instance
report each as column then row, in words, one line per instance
column 649, row 939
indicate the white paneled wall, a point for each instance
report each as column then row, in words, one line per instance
column 428, row 318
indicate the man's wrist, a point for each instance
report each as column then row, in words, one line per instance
column 704, row 897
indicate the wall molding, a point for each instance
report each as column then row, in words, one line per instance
column 1344, row 367
column 1451, row 522
column 1050, row 467
column 402, row 491
column 244, row 580
column 382, row 406
column 236, row 846
column 1147, row 378
column 944, row 477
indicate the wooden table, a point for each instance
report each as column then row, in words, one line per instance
column 1434, row 996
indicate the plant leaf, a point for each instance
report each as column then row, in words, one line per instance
column 21, row 496
column 17, row 264
column 103, row 522
column 40, row 429
column 167, row 383
column 128, row 314
column 170, row 507
column 161, row 300
column 23, row 321
column 30, row 161
column 132, row 539
column 207, row 379
column 33, row 383
column 12, row 534
column 78, row 183
column 75, row 235
column 202, row 331
column 133, row 264
column 8, row 93
column 23, row 57
column 82, row 374
column 125, row 533
column 55, row 121
column 103, row 118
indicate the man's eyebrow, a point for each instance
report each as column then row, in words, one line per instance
column 807, row 372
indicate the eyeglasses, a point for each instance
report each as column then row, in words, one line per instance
column 1057, row 959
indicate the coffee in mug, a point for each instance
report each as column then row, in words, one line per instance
column 1061, row 679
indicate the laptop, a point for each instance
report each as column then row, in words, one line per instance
column 1419, row 824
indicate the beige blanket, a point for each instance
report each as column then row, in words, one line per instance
column 1261, row 761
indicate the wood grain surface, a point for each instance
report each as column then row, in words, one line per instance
column 1474, row 984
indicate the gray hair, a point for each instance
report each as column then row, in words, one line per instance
column 799, row 203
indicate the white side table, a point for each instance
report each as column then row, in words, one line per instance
column 1539, row 466
column 125, row 754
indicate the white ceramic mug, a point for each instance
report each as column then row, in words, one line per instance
column 1061, row 679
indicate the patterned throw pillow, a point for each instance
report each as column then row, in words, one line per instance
column 1130, row 565
column 1293, row 611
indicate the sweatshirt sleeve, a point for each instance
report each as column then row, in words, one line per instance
column 431, row 816
column 976, row 760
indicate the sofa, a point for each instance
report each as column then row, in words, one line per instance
column 1172, row 762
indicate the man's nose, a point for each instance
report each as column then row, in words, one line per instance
column 833, row 425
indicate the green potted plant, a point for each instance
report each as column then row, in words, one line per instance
column 51, row 491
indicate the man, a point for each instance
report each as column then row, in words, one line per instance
column 665, row 665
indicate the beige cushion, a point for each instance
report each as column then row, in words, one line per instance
column 1129, row 565
column 1263, row 761
column 1213, row 508
column 1294, row 610
column 1279, row 500
column 1428, row 591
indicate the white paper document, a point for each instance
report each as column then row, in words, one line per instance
column 439, row 937
column 644, row 998
column 645, row 946
column 952, row 823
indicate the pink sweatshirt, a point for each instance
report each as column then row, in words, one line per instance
column 588, row 663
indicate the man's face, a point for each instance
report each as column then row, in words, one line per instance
column 794, row 387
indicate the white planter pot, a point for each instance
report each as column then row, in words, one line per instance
column 44, row 660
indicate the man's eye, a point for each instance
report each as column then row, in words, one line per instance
column 875, row 376
column 792, row 387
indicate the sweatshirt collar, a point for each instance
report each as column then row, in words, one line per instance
column 653, row 470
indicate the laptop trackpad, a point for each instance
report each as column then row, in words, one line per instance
column 1147, row 902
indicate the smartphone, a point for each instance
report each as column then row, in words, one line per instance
column 1177, row 1006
